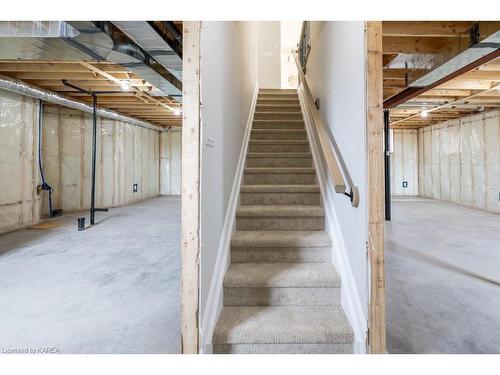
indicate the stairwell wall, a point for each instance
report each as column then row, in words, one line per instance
column 336, row 75
column 228, row 80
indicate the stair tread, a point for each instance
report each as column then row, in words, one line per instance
column 282, row 325
column 282, row 275
column 280, row 239
column 279, row 170
column 278, row 131
column 280, row 189
column 272, row 155
column 280, row 211
column 278, row 121
column 279, row 141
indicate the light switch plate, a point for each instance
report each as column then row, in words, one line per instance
column 209, row 136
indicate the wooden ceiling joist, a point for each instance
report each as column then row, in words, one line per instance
column 135, row 101
column 470, row 89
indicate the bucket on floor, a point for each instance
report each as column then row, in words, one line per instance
column 81, row 223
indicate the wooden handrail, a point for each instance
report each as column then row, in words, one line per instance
column 335, row 163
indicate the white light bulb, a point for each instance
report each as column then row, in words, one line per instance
column 124, row 85
column 177, row 111
column 424, row 113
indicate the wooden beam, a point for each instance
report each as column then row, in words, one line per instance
column 190, row 187
column 375, row 149
column 411, row 92
column 393, row 45
column 426, row 28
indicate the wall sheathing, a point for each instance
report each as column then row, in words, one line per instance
column 170, row 170
column 460, row 161
column 126, row 154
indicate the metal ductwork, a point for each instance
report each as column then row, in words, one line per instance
column 81, row 40
column 20, row 87
column 149, row 37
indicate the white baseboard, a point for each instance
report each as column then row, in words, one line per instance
column 350, row 299
column 214, row 299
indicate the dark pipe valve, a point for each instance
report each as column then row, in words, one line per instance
column 81, row 223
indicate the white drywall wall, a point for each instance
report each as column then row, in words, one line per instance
column 126, row 154
column 404, row 162
column 290, row 34
column 269, row 54
column 336, row 75
column 170, row 162
column 459, row 161
column 19, row 202
column 228, row 77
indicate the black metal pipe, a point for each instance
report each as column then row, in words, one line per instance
column 94, row 145
column 94, row 150
column 387, row 166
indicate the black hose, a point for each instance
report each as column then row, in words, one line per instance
column 44, row 185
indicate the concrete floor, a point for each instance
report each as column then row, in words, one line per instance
column 443, row 278
column 113, row 288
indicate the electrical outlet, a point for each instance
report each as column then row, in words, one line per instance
column 134, row 188
column 405, row 184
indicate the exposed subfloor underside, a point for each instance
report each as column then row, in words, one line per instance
column 113, row 288
column 443, row 279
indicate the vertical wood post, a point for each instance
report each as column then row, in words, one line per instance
column 190, row 186
column 375, row 145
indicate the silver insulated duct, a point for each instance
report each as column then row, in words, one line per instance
column 14, row 85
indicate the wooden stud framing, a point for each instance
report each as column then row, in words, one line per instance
column 190, row 186
column 375, row 148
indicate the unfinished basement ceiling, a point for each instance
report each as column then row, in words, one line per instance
column 97, row 56
column 472, row 92
column 417, row 54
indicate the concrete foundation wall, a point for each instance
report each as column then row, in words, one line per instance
column 170, row 163
column 404, row 162
column 459, row 161
column 126, row 155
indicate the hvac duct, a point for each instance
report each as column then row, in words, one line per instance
column 14, row 85
column 144, row 34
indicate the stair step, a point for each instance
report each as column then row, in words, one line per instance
column 278, row 134
column 292, row 217
column 278, row 107
column 280, row 195
column 277, row 115
column 279, row 101
column 267, row 90
column 277, row 159
column 278, row 124
column 280, row 246
column 282, row 275
column 280, row 284
column 279, row 175
column 279, row 239
column 283, row 329
column 278, row 146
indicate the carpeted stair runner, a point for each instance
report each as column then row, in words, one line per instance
column 281, row 291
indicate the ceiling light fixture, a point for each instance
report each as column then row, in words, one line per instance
column 424, row 113
column 124, row 85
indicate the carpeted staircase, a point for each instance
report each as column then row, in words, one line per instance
column 281, row 291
